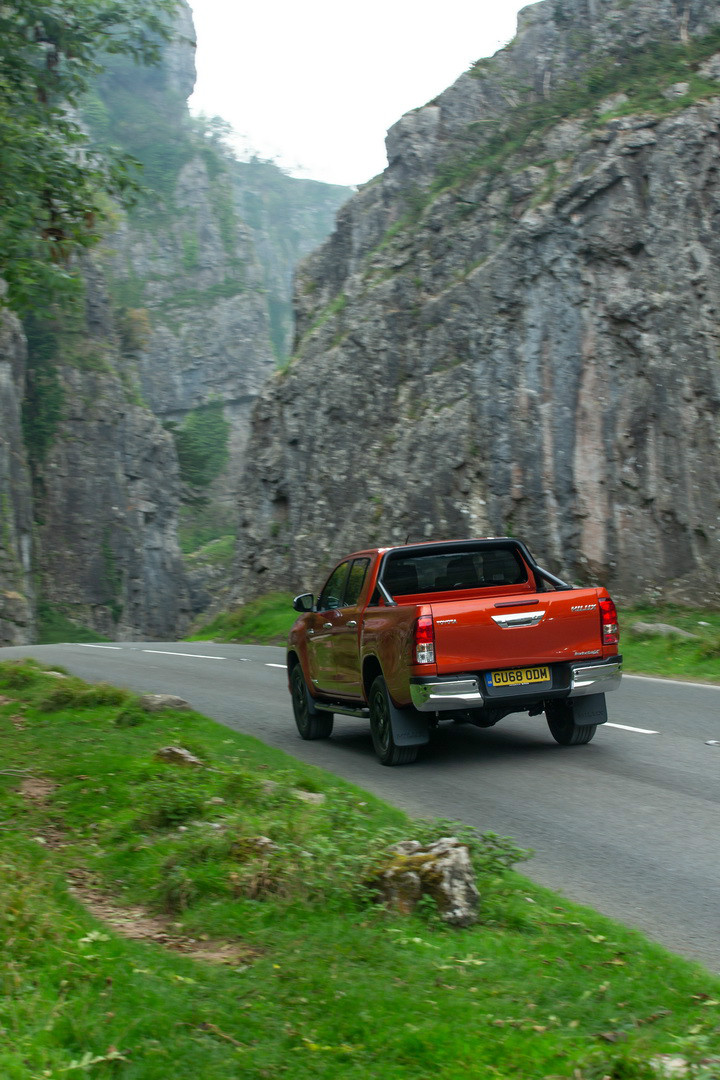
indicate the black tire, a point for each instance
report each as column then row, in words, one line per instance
column 388, row 752
column 310, row 724
column 564, row 730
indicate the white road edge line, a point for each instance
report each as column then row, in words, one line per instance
column 194, row 655
column 675, row 682
column 276, row 665
column 639, row 730
column 86, row 645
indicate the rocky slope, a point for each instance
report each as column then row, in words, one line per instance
column 515, row 328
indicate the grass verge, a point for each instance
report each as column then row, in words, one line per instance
column 259, row 850
column 672, row 657
column 265, row 621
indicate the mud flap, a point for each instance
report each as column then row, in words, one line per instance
column 409, row 727
column 590, row 710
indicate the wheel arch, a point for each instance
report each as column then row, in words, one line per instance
column 370, row 671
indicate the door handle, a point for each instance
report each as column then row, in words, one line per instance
column 327, row 626
column 353, row 623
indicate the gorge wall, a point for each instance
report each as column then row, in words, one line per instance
column 515, row 328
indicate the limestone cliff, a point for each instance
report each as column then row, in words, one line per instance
column 105, row 480
column 515, row 328
column 16, row 591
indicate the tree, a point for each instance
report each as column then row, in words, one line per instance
column 53, row 185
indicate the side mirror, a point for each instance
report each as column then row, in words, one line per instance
column 305, row 602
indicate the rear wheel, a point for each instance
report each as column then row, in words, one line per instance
column 310, row 723
column 564, row 730
column 387, row 750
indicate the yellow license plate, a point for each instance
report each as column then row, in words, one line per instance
column 524, row 676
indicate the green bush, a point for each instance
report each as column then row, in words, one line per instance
column 202, row 445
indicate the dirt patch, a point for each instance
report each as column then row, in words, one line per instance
column 130, row 922
column 136, row 923
column 36, row 789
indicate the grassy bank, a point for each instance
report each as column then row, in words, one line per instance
column 265, row 621
column 258, row 947
column 672, row 657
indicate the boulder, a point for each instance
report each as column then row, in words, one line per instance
column 158, row 702
column 441, row 870
column 178, row 755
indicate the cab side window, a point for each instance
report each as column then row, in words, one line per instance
column 356, row 580
column 332, row 595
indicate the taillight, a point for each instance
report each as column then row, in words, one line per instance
column 424, row 640
column 609, row 621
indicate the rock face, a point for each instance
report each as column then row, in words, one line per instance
column 16, row 592
column 515, row 329
column 107, row 492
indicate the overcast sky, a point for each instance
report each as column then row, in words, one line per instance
column 315, row 84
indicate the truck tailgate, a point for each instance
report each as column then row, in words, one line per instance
column 495, row 632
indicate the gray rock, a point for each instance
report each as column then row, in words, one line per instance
column 178, row 755
column 159, row 702
column 662, row 630
column 441, row 870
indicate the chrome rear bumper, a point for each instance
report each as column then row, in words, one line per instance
column 441, row 694
column 595, row 678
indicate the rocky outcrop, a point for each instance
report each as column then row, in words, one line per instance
column 522, row 338
column 16, row 592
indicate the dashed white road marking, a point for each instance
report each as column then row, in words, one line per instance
column 639, row 730
column 276, row 665
column 193, row 655
column 86, row 645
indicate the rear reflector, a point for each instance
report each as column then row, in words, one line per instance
column 424, row 640
column 609, row 621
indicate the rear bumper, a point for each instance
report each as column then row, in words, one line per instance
column 443, row 693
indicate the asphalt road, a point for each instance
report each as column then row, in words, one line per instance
column 628, row 824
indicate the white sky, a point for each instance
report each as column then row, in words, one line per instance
column 315, row 84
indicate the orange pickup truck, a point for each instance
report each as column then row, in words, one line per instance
column 467, row 631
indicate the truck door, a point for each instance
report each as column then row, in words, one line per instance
column 339, row 649
column 322, row 623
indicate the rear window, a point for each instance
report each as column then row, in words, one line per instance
column 452, row 570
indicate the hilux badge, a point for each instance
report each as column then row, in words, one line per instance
column 583, row 607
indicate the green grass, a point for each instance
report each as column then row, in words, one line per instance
column 330, row 984
column 672, row 657
column 264, row 621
